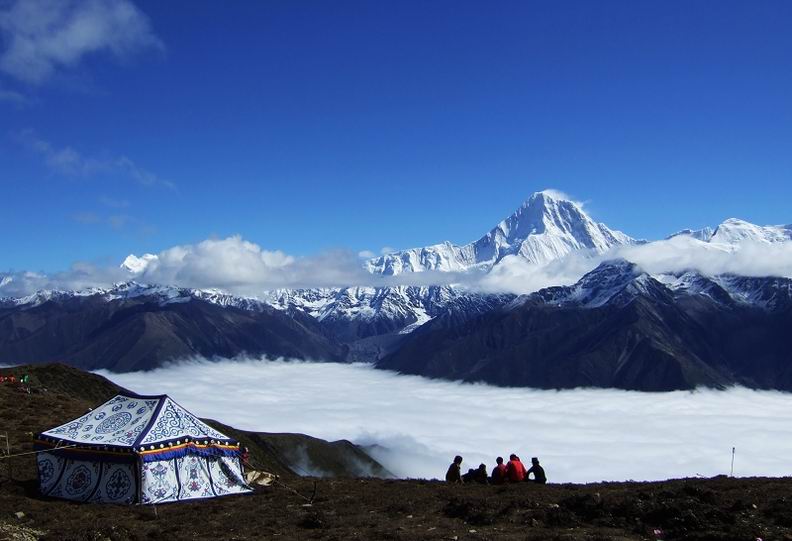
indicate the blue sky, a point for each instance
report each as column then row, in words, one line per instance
column 307, row 126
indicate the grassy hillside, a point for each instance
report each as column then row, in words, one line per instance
column 348, row 508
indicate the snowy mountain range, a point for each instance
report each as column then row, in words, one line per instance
column 734, row 231
column 543, row 229
column 383, row 323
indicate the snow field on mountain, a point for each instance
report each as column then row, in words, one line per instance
column 580, row 435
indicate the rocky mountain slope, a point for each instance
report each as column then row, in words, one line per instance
column 618, row 327
column 150, row 326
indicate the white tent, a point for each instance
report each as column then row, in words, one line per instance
column 138, row 449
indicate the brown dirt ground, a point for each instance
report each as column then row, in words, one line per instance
column 696, row 509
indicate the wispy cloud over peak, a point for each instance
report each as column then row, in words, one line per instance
column 44, row 36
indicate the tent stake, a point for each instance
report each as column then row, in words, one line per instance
column 8, row 453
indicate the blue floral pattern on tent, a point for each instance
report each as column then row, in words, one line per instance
column 118, row 421
column 194, row 478
column 159, row 481
column 226, row 475
column 175, row 422
column 78, row 480
column 49, row 467
column 114, row 423
column 118, row 485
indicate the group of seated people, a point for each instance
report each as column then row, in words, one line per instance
column 511, row 472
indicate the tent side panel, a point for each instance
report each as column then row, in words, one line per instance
column 78, row 481
column 159, row 482
column 194, row 477
column 118, row 484
column 226, row 475
column 50, row 471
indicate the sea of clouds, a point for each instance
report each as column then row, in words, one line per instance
column 417, row 425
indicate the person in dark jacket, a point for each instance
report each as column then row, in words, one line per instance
column 537, row 471
column 454, row 473
column 469, row 477
column 515, row 471
column 476, row 476
column 498, row 472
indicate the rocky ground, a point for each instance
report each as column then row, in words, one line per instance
column 357, row 508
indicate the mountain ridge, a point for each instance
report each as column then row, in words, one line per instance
column 657, row 327
column 542, row 229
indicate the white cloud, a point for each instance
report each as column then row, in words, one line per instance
column 231, row 264
column 513, row 274
column 79, row 276
column 558, row 194
column 242, row 267
column 580, row 435
column 45, row 36
column 678, row 254
column 747, row 258
column 68, row 161
column 366, row 254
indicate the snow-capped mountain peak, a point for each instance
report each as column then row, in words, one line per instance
column 543, row 228
column 609, row 280
column 137, row 265
column 734, row 231
column 704, row 234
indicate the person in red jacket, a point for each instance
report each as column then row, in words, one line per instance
column 515, row 471
column 499, row 472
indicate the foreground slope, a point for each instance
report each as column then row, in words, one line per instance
column 61, row 393
column 309, row 508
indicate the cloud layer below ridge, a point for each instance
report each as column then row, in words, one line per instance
column 580, row 435
column 241, row 267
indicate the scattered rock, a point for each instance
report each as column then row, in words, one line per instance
column 15, row 532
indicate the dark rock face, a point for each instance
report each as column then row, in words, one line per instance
column 617, row 327
column 639, row 335
column 142, row 333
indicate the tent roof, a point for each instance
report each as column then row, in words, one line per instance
column 130, row 420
